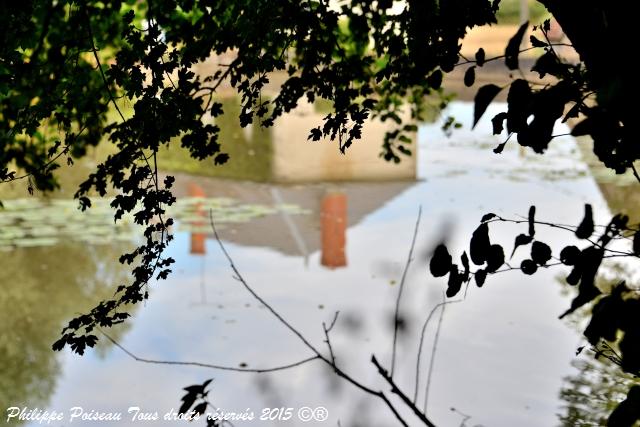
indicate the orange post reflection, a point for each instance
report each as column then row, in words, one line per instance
column 198, row 240
column 333, row 226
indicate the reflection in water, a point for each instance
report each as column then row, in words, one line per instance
column 502, row 353
column 596, row 386
column 198, row 238
column 333, row 225
column 42, row 288
column 592, row 393
column 283, row 153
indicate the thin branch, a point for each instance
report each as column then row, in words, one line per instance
column 635, row 172
column 432, row 360
column 297, row 333
column 207, row 365
column 326, row 335
column 421, row 344
column 395, row 390
column 396, row 317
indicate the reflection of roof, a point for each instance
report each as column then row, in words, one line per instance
column 297, row 235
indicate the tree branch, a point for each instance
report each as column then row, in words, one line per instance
column 401, row 288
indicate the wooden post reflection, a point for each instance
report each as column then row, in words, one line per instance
column 333, row 229
column 198, row 240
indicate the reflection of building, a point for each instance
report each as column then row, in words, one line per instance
column 198, row 245
column 332, row 212
column 296, row 159
column 333, row 226
column 283, row 153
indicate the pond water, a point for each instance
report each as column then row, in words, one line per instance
column 501, row 357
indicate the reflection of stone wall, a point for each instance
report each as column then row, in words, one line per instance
column 296, row 159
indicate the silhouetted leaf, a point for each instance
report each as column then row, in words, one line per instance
column 435, row 79
column 480, row 244
column 480, row 57
column 512, row 51
column 200, row 408
column 574, row 112
column 627, row 413
column 536, row 43
column 187, row 401
column 483, row 98
column 587, row 291
column 498, row 123
column 521, row 239
column 495, row 258
column 570, row 255
column 221, row 159
column 548, row 64
column 499, row 148
column 519, row 105
column 455, row 281
column 585, row 229
column 480, row 276
column 470, row 76
column 465, row 263
column 636, row 243
column 574, row 277
column 487, row 217
column 540, row 253
column 440, row 262
column 532, row 219
column 605, row 316
column 528, row 267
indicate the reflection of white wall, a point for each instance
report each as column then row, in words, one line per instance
column 297, row 159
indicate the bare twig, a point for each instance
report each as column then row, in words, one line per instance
column 207, row 365
column 421, row 344
column 337, row 370
column 432, row 360
column 635, row 172
column 327, row 330
column 396, row 317
column 395, row 390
